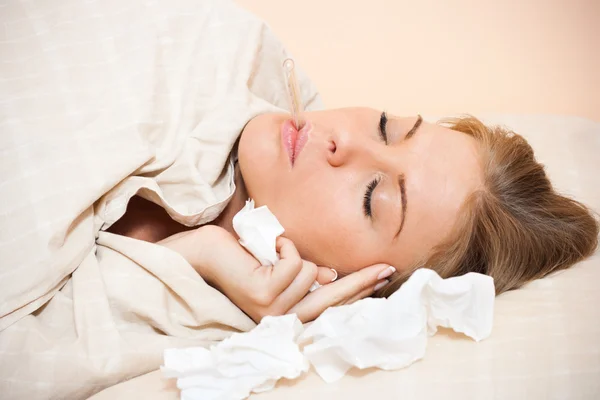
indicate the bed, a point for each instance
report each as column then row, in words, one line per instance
column 63, row 73
column 545, row 343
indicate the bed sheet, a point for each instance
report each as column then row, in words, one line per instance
column 546, row 338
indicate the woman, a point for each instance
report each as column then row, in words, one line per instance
column 108, row 108
column 357, row 187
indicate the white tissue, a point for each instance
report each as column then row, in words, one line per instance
column 244, row 363
column 392, row 333
column 258, row 229
column 384, row 333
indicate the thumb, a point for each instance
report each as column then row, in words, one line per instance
column 326, row 275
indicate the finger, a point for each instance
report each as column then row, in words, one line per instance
column 367, row 292
column 326, row 275
column 286, row 249
column 298, row 289
column 287, row 268
column 357, row 282
column 345, row 289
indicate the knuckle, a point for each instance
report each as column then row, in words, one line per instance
column 263, row 297
column 297, row 263
column 311, row 269
column 364, row 285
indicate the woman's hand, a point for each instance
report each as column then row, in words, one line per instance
column 353, row 287
column 281, row 289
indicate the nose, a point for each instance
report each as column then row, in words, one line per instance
column 343, row 147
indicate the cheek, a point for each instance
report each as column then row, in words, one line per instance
column 327, row 231
column 304, row 210
column 259, row 156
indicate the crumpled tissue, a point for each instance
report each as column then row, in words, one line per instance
column 392, row 333
column 243, row 363
column 384, row 333
column 258, row 229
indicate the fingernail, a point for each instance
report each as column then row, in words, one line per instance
column 381, row 284
column 335, row 273
column 386, row 272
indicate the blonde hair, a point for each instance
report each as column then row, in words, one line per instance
column 517, row 228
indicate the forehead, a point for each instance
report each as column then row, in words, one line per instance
column 442, row 169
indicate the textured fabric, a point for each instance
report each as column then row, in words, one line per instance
column 545, row 343
column 100, row 100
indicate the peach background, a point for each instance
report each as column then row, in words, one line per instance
column 446, row 57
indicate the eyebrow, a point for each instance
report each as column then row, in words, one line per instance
column 402, row 180
column 415, row 127
column 402, row 183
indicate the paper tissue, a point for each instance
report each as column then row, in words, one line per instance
column 244, row 363
column 392, row 333
column 384, row 333
column 258, row 229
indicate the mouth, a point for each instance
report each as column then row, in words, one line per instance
column 293, row 140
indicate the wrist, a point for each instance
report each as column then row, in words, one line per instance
column 197, row 247
column 206, row 242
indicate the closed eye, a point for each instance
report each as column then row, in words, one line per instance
column 383, row 127
column 368, row 196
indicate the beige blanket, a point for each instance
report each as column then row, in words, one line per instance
column 100, row 101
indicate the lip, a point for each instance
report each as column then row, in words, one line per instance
column 293, row 140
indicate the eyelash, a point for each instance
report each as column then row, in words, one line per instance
column 368, row 196
column 373, row 184
column 382, row 127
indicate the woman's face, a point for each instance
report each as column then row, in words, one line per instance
column 350, row 198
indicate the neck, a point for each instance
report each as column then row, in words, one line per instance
column 237, row 202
